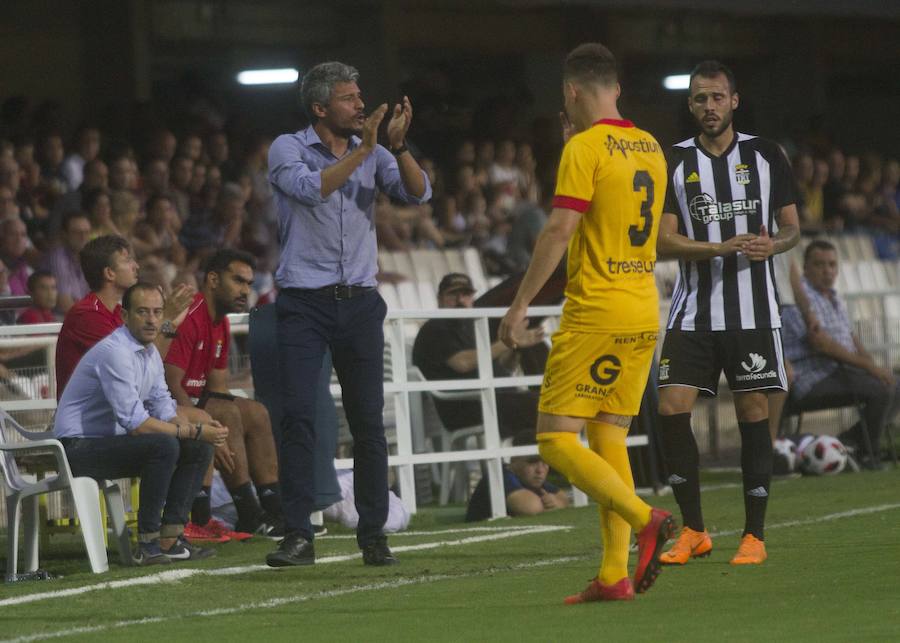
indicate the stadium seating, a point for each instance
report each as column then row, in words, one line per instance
column 453, row 476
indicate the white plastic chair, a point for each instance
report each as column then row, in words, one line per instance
column 386, row 261
column 474, row 269
column 455, row 261
column 427, row 295
column 424, row 265
column 447, row 439
column 389, row 293
column 408, row 294
column 403, row 264
column 22, row 498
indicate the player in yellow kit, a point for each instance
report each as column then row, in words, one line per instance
column 610, row 186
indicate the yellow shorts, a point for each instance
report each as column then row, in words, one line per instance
column 592, row 373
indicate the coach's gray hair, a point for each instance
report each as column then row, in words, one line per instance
column 320, row 81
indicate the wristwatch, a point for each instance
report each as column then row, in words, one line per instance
column 168, row 329
column 397, row 151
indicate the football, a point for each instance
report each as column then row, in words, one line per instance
column 784, row 456
column 822, row 456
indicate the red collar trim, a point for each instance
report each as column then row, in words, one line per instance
column 615, row 122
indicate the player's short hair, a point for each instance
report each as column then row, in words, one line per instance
column 35, row 276
column 711, row 69
column 593, row 63
column 142, row 286
column 97, row 255
column 219, row 262
column 818, row 244
column 318, row 83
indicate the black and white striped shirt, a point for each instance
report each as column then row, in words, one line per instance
column 716, row 198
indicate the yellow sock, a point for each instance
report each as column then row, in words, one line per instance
column 589, row 472
column 608, row 441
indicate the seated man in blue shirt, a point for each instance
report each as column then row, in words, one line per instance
column 117, row 419
column 524, row 485
column 829, row 361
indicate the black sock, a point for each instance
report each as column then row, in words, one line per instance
column 270, row 498
column 201, row 511
column 683, row 463
column 756, row 468
column 248, row 509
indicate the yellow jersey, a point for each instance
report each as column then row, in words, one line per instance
column 615, row 175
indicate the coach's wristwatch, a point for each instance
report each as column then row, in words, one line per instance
column 168, row 329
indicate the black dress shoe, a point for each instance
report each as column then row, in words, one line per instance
column 292, row 551
column 378, row 554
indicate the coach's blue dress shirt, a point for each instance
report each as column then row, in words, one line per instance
column 329, row 240
column 117, row 385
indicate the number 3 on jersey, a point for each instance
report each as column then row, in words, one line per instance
column 637, row 235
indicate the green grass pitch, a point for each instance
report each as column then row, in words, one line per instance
column 833, row 574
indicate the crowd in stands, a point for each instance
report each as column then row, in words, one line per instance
column 177, row 196
column 848, row 192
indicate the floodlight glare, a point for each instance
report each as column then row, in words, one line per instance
column 268, row 76
column 677, row 81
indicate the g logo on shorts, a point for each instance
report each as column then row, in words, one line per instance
column 609, row 374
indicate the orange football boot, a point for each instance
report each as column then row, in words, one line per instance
column 752, row 551
column 690, row 544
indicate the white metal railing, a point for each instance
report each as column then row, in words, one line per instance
column 397, row 327
column 886, row 343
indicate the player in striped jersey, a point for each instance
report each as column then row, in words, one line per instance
column 606, row 212
column 727, row 191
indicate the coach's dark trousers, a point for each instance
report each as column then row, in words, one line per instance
column 308, row 321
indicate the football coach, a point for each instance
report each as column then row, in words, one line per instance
column 325, row 179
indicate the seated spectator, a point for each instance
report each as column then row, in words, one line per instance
column 109, row 270
column 116, row 419
column 96, row 176
column 42, row 288
column 812, row 209
column 529, row 186
column 160, row 228
column 7, row 316
column 445, row 350
column 828, row 360
column 525, row 487
column 155, row 178
column 9, row 208
column 197, row 374
column 528, row 219
column 122, row 171
column 87, row 147
column 181, row 171
column 125, row 212
column 51, row 158
column 13, row 246
column 451, row 222
column 62, row 261
column 503, row 174
column 97, row 205
column 890, row 186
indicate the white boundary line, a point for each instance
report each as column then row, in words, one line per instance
column 174, row 575
column 170, row 576
column 437, row 532
column 286, row 600
column 402, row 582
